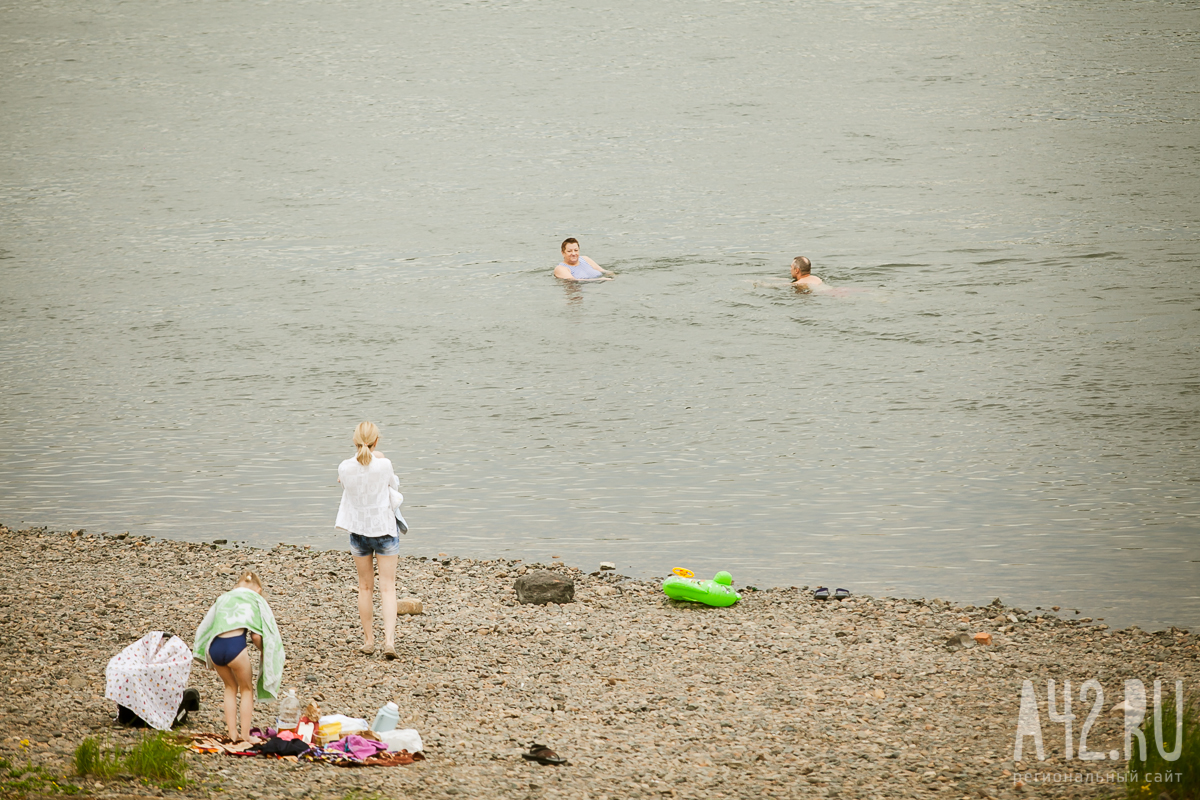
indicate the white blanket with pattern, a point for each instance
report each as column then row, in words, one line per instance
column 148, row 677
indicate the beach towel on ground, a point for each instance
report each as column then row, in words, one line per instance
column 148, row 677
column 245, row 608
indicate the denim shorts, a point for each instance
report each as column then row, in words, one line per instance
column 379, row 545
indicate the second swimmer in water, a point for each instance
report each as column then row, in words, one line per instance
column 575, row 267
column 802, row 277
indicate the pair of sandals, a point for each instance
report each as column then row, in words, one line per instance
column 543, row 755
column 822, row 593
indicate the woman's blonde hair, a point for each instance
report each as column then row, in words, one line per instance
column 250, row 577
column 366, row 435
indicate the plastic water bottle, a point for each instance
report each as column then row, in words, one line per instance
column 289, row 712
column 387, row 718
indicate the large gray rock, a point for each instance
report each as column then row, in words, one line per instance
column 542, row 586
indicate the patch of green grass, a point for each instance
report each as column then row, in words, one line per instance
column 17, row 781
column 93, row 758
column 158, row 758
column 1154, row 776
column 358, row 794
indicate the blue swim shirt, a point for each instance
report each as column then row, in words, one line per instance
column 583, row 270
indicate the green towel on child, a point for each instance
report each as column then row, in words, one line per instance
column 245, row 608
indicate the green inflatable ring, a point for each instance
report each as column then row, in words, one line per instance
column 717, row 592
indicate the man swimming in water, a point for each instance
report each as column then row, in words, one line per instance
column 575, row 267
column 802, row 274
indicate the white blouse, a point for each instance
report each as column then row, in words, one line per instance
column 366, row 507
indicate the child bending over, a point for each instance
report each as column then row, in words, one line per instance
column 221, row 644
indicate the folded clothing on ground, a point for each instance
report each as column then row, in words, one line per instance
column 282, row 747
column 356, row 747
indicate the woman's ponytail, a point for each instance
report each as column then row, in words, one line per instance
column 366, row 435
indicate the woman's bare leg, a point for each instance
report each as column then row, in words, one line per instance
column 387, row 593
column 366, row 587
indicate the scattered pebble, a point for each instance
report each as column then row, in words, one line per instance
column 779, row 695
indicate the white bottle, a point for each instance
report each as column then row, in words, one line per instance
column 387, row 718
column 289, row 712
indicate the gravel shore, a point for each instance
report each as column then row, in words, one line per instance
column 778, row 696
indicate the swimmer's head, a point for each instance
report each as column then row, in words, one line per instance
column 250, row 580
column 801, row 266
column 570, row 252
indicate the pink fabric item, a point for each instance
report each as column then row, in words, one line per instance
column 148, row 677
column 286, row 736
column 357, row 747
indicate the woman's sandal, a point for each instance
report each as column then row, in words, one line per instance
column 821, row 594
column 543, row 755
column 367, row 649
column 389, row 653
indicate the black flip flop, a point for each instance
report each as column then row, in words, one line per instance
column 821, row 594
column 840, row 594
column 543, row 755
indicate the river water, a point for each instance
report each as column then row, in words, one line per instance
column 231, row 230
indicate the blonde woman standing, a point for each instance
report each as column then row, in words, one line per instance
column 368, row 514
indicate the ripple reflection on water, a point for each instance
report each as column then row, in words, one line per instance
column 230, row 234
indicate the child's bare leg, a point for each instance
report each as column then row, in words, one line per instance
column 240, row 667
column 230, row 703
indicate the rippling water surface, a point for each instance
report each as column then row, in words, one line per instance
column 230, row 231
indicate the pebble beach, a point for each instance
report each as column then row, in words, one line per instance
column 777, row 696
